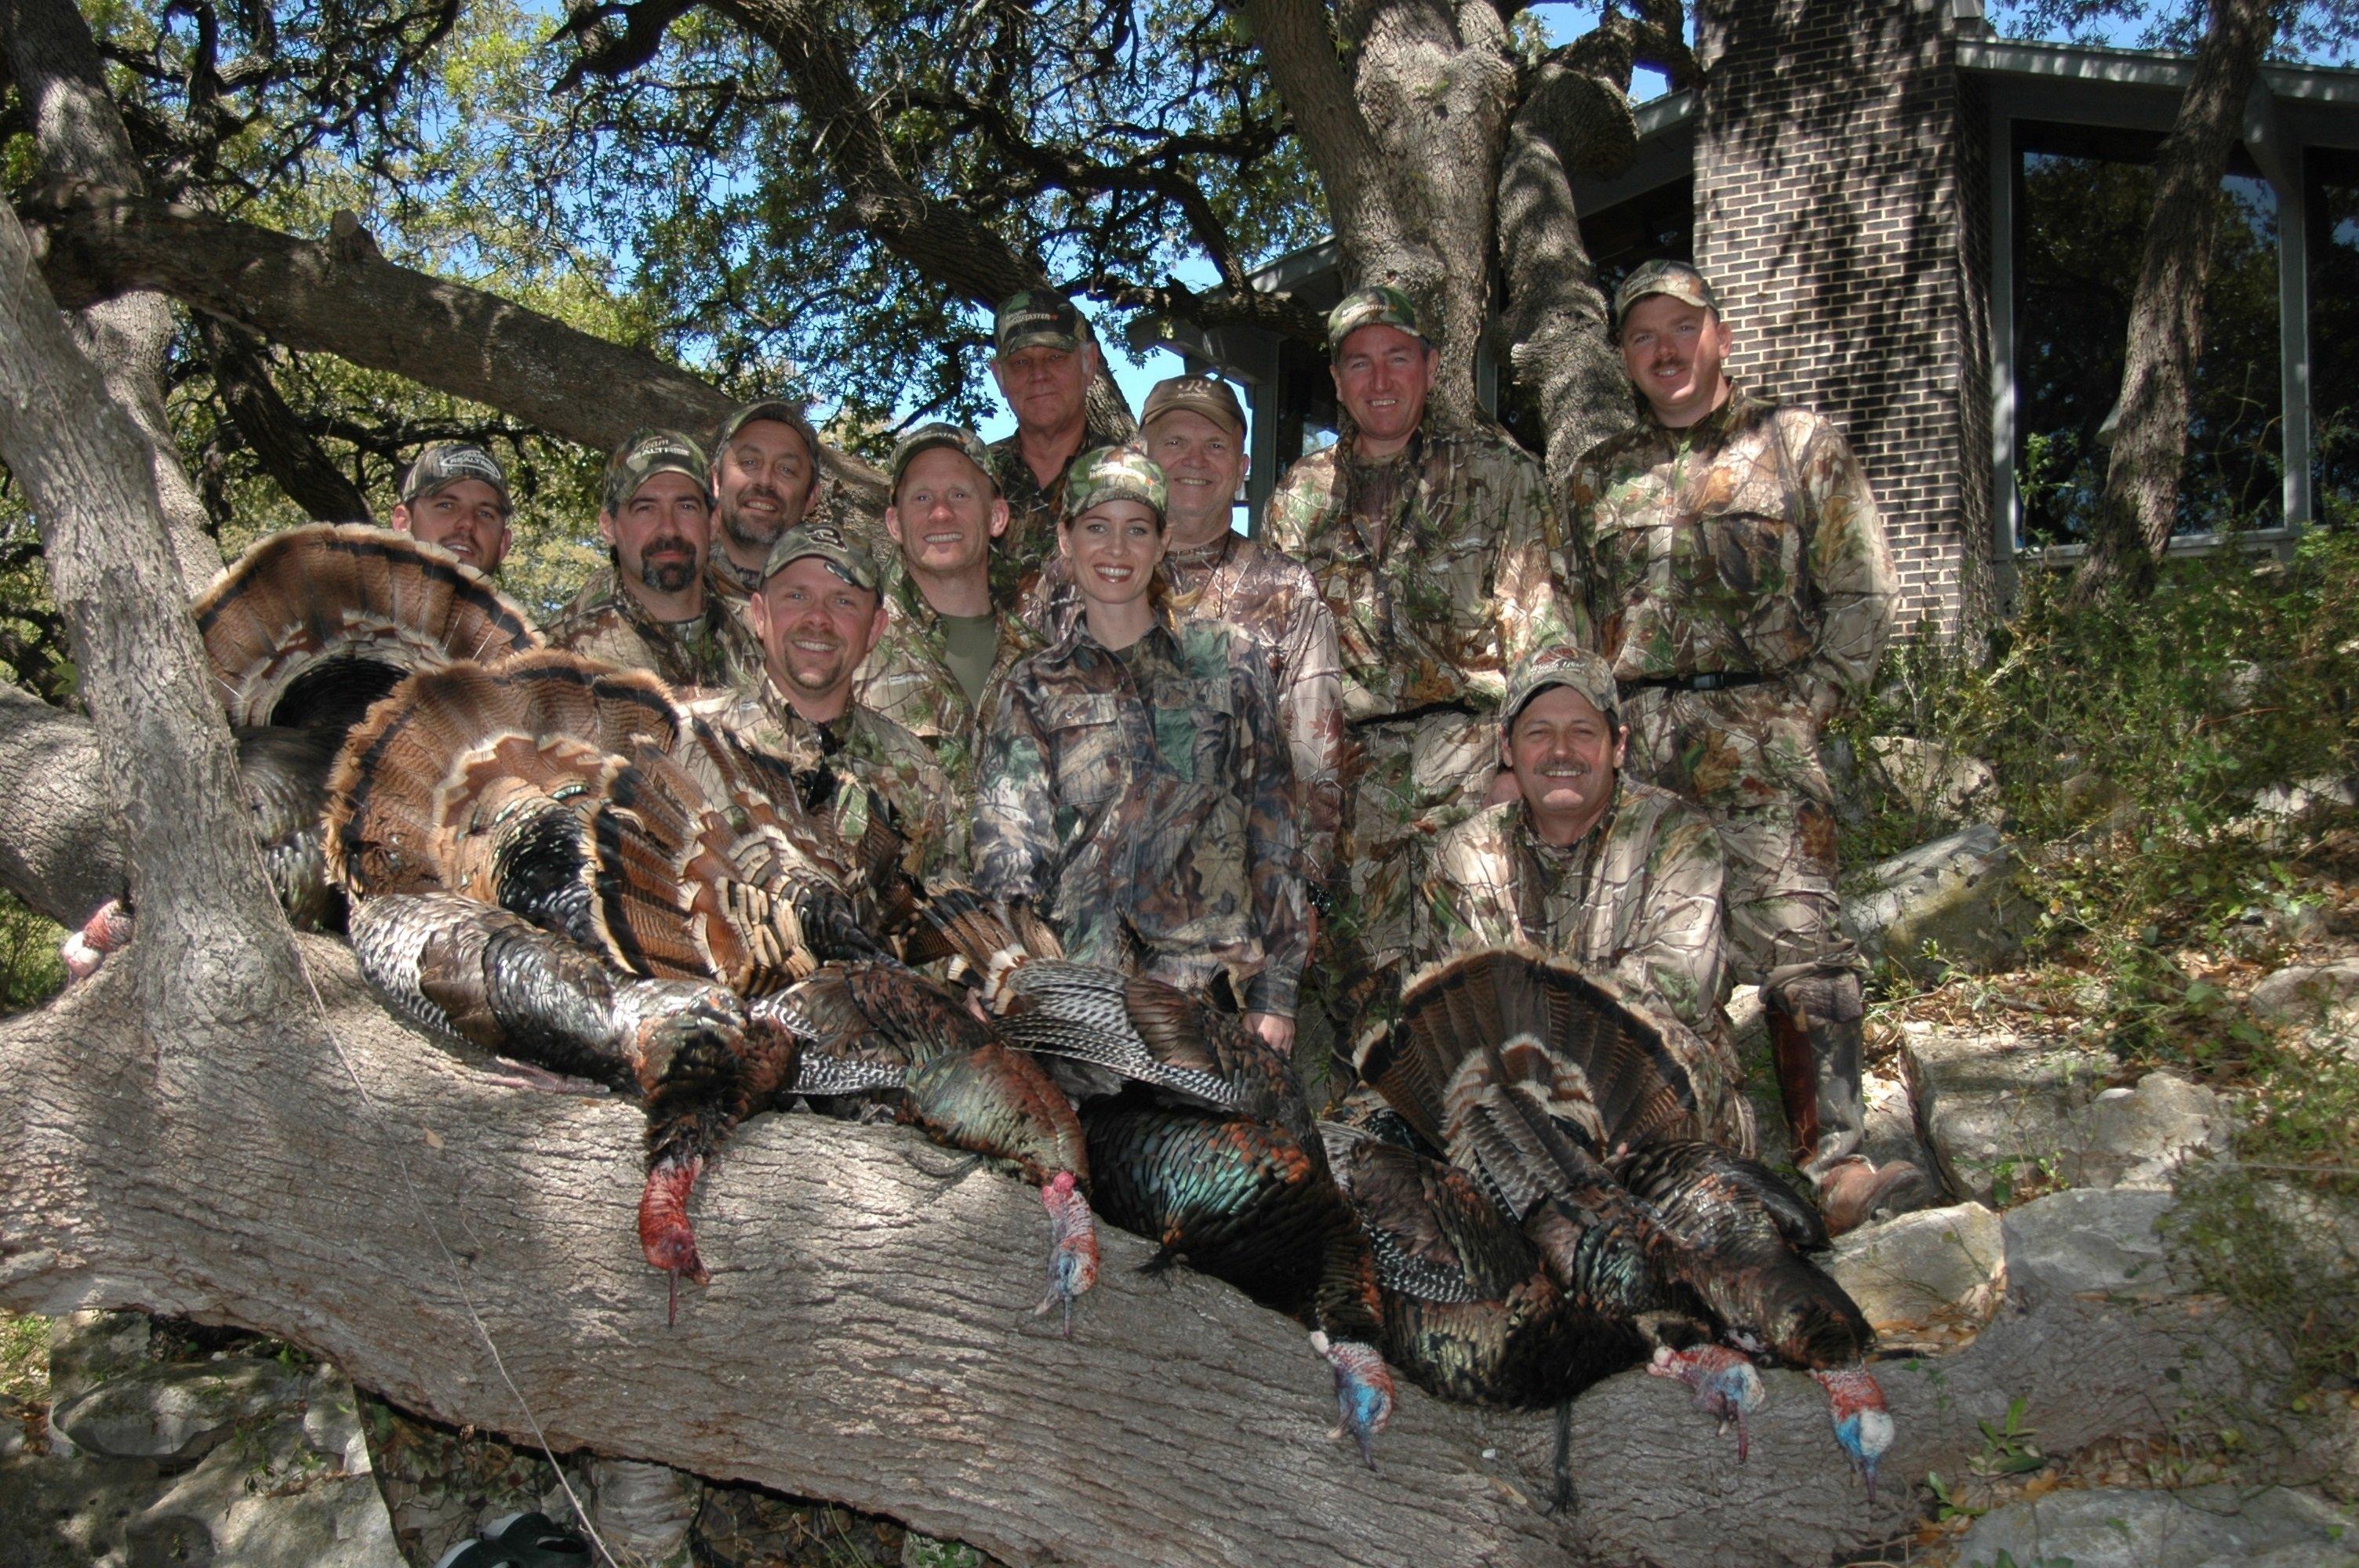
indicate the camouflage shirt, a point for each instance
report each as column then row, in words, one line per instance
column 906, row 677
column 1747, row 543
column 1032, row 510
column 1142, row 801
column 866, row 752
column 1270, row 598
column 602, row 622
column 1439, row 566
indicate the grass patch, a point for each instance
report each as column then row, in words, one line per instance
column 23, row 1357
column 30, row 970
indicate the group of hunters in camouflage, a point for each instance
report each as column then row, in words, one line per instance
column 1430, row 704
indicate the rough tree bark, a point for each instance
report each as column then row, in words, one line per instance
column 2140, row 505
column 342, row 297
column 62, row 84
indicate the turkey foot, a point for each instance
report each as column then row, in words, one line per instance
column 1727, row 1387
column 1863, row 1427
column 1363, row 1390
column 1072, row 1247
column 664, row 1233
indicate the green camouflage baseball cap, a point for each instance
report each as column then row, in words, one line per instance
column 1560, row 663
column 775, row 409
column 926, row 437
column 844, row 556
column 1677, row 278
column 1113, row 473
column 1378, row 305
column 1038, row 318
column 445, row 463
column 647, row 454
column 1206, row 394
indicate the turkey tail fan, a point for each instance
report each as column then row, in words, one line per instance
column 436, row 760
column 1608, row 1070
column 1657, row 1170
column 312, row 624
column 956, row 922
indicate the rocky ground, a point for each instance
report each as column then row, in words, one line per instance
column 2070, row 1169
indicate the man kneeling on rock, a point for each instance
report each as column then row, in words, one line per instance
column 1620, row 877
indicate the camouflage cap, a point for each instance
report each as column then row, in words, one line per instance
column 777, row 411
column 1560, row 663
column 1207, row 394
column 1378, row 305
column 1679, row 279
column 845, row 557
column 446, row 463
column 1113, row 473
column 1038, row 318
column 647, row 454
column 926, row 437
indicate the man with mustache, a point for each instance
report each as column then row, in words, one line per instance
column 1588, row 864
column 1434, row 546
column 1741, row 584
column 652, row 611
column 456, row 496
column 818, row 613
column 948, row 643
column 1044, row 359
column 766, row 479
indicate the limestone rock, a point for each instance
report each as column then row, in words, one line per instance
column 2115, row 1526
column 1957, row 893
column 2136, row 1137
column 1935, row 1268
column 268, row 1500
column 88, row 1348
column 68, row 1510
column 2311, row 996
column 332, row 1422
column 1941, row 782
column 2087, row 1240
column 175, row 1413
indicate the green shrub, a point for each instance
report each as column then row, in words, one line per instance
column 30, row 972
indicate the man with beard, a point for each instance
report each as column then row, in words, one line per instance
column 456, row 496
column 1434, row 547
column 764, row 480
column 1588, row 864
column 1044, row 361
column 948, row 645
column 654, row 612
column 1742, row 590
column 818, row 613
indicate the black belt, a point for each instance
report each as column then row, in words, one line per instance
column 1710, row 681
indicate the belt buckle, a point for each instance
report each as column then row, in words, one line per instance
column 1707, row 682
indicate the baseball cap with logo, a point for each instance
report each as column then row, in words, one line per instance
column 844, row 558
column 776, row 409
column 1679, row 279
column 926, row 437
column 1038, row 318
column 647, row 454
column 1205, row 395
column 1378, row 305
column 445, row 463
column 1560, row 663
column 1113, row 473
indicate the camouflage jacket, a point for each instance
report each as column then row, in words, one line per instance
column 1032, row 511
column 906, row 677
column 1637, row 899
column 866, row 752
column 1142, row 801
column 1747, row 544
column 611, row 625
column 1462, row 582
column 1270, row 598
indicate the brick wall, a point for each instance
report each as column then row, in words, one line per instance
column 1838, row 180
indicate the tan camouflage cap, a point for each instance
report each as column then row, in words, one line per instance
column 445, row 463
column 1677, row 278
column 1038, row 319
column 926, row 437
column 776, row 410
column 1210, row 396
column 844, row 556
column 1113, row 473
column 1378, row 305
column 647, row 454
column 1560, row 663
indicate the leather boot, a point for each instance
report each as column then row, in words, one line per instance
column 1815, row 1027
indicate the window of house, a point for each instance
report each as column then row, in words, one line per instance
column 2333, row 178
column 2083, row 197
